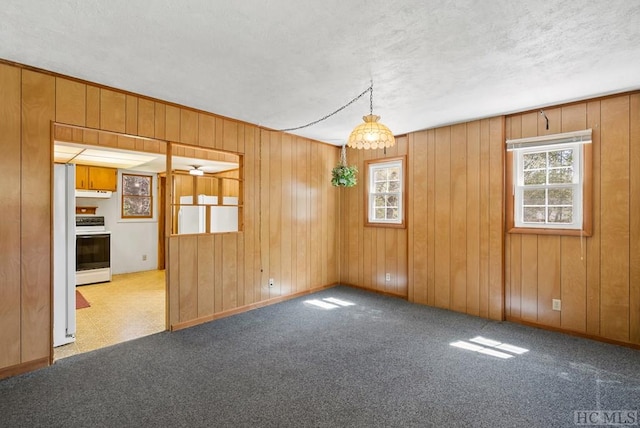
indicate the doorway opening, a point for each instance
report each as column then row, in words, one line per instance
column 133, row 303
column 130, row 306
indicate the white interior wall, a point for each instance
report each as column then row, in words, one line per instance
column 131, row 239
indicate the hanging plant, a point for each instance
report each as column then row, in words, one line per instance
column 342, row 174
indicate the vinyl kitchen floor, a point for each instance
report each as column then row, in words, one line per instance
column 132, row 305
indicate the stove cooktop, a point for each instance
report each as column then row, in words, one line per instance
column 89, row 221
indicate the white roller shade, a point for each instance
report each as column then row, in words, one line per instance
column 575, row 137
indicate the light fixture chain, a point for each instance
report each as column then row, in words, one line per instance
column 371, row 98
column 369, row 89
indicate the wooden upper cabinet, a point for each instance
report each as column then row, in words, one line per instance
column 82, row 177
column 96, row 178
column 103, row 178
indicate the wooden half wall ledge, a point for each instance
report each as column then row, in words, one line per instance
column 24, row 368
column 247, row 308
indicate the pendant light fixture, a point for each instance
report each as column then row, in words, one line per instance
column 368, row 135
column 196, row 170
column 371, row 134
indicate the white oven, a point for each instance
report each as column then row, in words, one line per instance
column 93, row 250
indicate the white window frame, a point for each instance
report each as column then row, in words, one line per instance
column 571, row 140
column 576, row 186
column 371, row 194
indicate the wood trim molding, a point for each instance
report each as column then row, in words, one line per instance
column 59, row 128
column 572, row 333
column 111, row 88
column 24, row 367
column 381, row 292
column 580, row 101
column 587, row 200
column 246, row 308
column 367, row 163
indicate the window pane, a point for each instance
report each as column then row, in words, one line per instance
column 392, row 201
column 561, row 158
column 562, row 196
column 136, row 185
column 136, row 206
column 381, row 187
column 379, row 201
column 392, row 213
column 394, row 174
column 534, row 160
column 533, row 214
column 394, row 186
column 534, row 177
column 560, row 215
column 561, row 176
column 534, row 197
column 379, row 213
column 380, row 174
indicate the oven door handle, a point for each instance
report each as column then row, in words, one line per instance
column 95, row 235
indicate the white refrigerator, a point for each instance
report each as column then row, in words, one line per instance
column 192, row 219
column 64, row 254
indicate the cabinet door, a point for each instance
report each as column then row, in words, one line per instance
column 82, row 177
column 103, row 178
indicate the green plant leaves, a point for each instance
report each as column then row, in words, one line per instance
column 344, row 176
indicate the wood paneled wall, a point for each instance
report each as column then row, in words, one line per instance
column 230, row 187
column 597, row 278
column 456, row 217
column 367, row 254
column 451, row 254
column 10, row 237
column 288, row 204
column 27, row 110
column 290, row 238
column 189, row 185
column 305, row 234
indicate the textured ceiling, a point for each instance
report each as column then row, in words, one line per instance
column 283, row 63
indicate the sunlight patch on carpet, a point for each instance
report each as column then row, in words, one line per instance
column 491, row 347
column 329, row 303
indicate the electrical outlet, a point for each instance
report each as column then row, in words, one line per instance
column 556, row 304
column 270, row 282
column 387, row 277
column 144, row 257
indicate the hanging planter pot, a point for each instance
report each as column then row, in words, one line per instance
column 342, row 174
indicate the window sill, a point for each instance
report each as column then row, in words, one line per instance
column 386, row 225
column 543, row 231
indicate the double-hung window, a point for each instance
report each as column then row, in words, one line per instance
column 385, row 192
column 548, row 182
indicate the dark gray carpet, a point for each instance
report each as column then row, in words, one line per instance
column 381, row 362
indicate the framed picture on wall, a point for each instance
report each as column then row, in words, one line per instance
column 137, row 197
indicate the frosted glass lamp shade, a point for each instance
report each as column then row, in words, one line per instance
column 371, row 135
